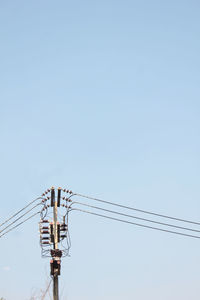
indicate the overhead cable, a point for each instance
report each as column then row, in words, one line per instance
column 137, row 224
column 19, row 224
column 20, row 211
column 47, row 289
column 135, row 217
column 136, row 209
column 20, row 217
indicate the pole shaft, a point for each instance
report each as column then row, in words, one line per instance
column 55, row 287
column 55, row 276
column 55, row 217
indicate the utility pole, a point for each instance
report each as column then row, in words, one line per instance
column 53, row 231
column 55, row 253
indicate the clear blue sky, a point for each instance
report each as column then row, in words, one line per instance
column 102, row 97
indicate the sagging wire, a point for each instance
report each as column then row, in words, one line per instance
column 47, row 289
column 137, row 224
column 72, row 194
column 14, row 215
column 20, row 217
column 20, row 223
column 135, row 217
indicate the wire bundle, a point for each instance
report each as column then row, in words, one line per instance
column 18, row 218
column 106, row 209
column 176, row 227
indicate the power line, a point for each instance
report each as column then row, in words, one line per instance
column 20, row 223
column 136, row 209
column 54, row 230
column 135, row 217
column 47, row 289
column 20, row 211
column 137, row 224
column 20, row 217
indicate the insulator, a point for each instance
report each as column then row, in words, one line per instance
column 45, row 243
column 45, row 207
column 45, row 238
column 58, row 198
column 51, row 233
column 45, row 227
column 64, row 190
column 63, row 236
column 63, row 227
column 44, row 221
column 52, row 196
column 51, row 227
column 45, row 231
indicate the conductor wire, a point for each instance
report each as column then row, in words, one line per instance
column 137, row 224
column 19, row 224
column 20, row 211
column 20, row 217
column 135, row 217
column 136, row 209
